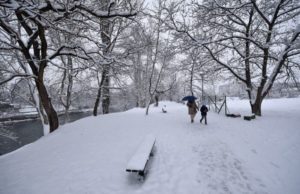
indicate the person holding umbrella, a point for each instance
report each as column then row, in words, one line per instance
column 192, row 106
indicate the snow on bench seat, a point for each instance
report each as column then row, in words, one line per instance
column 139, row 160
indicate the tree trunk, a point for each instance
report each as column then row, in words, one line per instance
column 46, row 102
column 41, row 53
column 105, row 91
column 95, row 111
column 69, row 88
column 68, row 75
column 192, row 78
column 148, row 106
column 106, row 39
column 156, row 100
column 138, row 81
column 256, row 107
column 39, row 107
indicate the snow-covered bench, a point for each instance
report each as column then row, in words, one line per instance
column 139, row 160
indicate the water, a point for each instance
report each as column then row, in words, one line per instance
column 29, row 131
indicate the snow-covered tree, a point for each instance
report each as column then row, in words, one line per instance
column 25, row 26
column 159, row 54
column 252, row 40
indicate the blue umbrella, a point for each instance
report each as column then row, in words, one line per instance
column 189, row 98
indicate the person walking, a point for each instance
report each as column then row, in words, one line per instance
column 203, row 111
column 193, row 108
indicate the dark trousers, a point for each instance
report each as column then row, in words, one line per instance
column 205, row 119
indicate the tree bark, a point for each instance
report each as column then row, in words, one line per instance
column 138, row 81
column 156, row 100
column 256, row 107
column 105, row 91
column 69, row 88
column 95, row 111
column 46, row 102
column 67, row 75
column 106, row 39
column 192, row 77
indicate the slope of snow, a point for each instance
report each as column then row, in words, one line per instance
column 229, row 155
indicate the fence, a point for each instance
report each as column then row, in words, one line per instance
column 217, row 103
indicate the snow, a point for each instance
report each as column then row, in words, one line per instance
column 297, row 29
column 28, row 110
column 229, row 155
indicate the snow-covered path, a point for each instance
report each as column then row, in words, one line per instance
column 226, row 156
column 192, row 159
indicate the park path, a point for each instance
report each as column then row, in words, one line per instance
column 192, row 158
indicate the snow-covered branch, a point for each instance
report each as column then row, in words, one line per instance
column 265, row 18
column 15, row 76
column 281, row 60
column 224, row 64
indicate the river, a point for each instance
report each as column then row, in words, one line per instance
column 28, row 132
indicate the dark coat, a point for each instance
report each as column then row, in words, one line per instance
column 203, row 110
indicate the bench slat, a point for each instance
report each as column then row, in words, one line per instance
column 141, row 156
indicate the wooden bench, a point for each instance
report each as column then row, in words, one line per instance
column 139, row 160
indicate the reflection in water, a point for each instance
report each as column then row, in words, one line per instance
column 29, row 131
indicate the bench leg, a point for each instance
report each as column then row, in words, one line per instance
column 141, row 175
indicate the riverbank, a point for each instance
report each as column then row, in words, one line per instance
column 33, row 115
column 26, row 129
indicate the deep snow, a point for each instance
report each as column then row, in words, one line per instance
column 229, row 155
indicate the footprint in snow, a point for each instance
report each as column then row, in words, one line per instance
column 221, row 172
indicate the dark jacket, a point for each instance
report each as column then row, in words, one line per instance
column 203, row 110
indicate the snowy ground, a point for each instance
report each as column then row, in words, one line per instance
column 229, row 155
